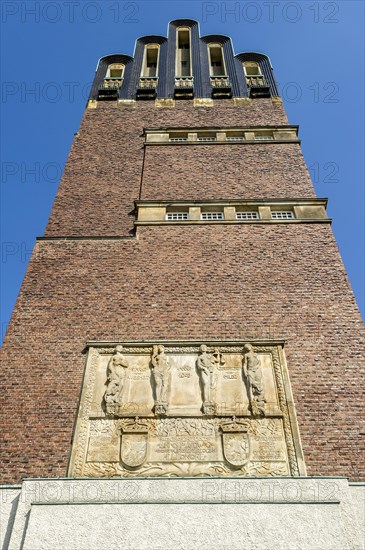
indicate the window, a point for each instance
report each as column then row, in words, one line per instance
column 178, row 136
column 207, row 138
column 115, row 70
column 150, row 60
column 247, row 216
column 268, row 136
column 282, row 215
column 251, row 68
column 254, row 78
column 183, row 53
column 114, row 76
column 216, row 60
column 235, row 136
column 209, row 216
column 177, row 216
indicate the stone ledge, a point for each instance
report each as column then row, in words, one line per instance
column 230, row 222
column 221, row 135
column 228, row 212
column 306, row 512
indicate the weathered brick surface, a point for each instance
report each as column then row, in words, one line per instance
column 179, row 283
column 104, row 171
column 241, row 171
column 176, row 282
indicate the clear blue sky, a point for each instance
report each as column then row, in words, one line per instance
column 51, row 48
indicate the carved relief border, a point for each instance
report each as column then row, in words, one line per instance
column 81, row 431
column 283, row 407
column 78, row 465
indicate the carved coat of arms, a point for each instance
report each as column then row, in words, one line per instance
column 236, row 443
column 134, row 446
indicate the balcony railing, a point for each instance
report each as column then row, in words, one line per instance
column 148, row 83
column 220, row 82
column 147, row 87
column 109, row 88
column 257, row 86
column 255, row 81
column 184, row 87
column 184, row 82
column 221, row 86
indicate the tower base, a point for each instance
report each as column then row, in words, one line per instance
column 183, row 513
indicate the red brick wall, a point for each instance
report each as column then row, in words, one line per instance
column 239, row 171
column 104, row 171
column 207, row 281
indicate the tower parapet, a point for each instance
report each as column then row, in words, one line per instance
column 184, row 66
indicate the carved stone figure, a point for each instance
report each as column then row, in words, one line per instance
column 162, row 376
column 206, row 365
column 116, row 374
column 254, row 382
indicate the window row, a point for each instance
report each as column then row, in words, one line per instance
column 308, row 210
column 233, row 137
column 219, row 215
column 184, row 78
column 221, row 135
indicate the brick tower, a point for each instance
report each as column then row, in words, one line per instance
column 187, row 313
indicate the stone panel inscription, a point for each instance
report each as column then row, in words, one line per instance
column 185, row 409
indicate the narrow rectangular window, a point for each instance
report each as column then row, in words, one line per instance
column 216, row 60
column 150, row 61
column 183, row 53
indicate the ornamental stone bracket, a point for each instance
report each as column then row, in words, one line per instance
column 186, row 409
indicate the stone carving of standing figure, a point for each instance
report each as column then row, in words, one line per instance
column 206, row 364
column 161, row 376
column 116, row 375
column 254, row 381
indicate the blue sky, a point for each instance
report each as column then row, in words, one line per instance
column 48, row 58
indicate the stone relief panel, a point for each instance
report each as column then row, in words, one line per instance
column 186, row 410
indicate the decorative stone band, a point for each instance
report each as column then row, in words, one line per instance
column 202, row 136
column 169, row 103
column 201, row 212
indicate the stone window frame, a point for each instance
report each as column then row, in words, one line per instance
column 231, row 136
column 247, row 215
column 144, row 67
column 282, row 215
column 223, row 64
column 245, row 65
column 264, row 136
column 115, row 67
column 177, row 216
column 179, row 70
column 302, row 211
column 212, row 216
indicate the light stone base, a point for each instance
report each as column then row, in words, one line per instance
column 183, row 513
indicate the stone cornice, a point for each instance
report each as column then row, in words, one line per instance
column 231, row 211
column 221, row 136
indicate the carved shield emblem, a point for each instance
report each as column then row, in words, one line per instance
column 134, row 449
column 236, row 447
